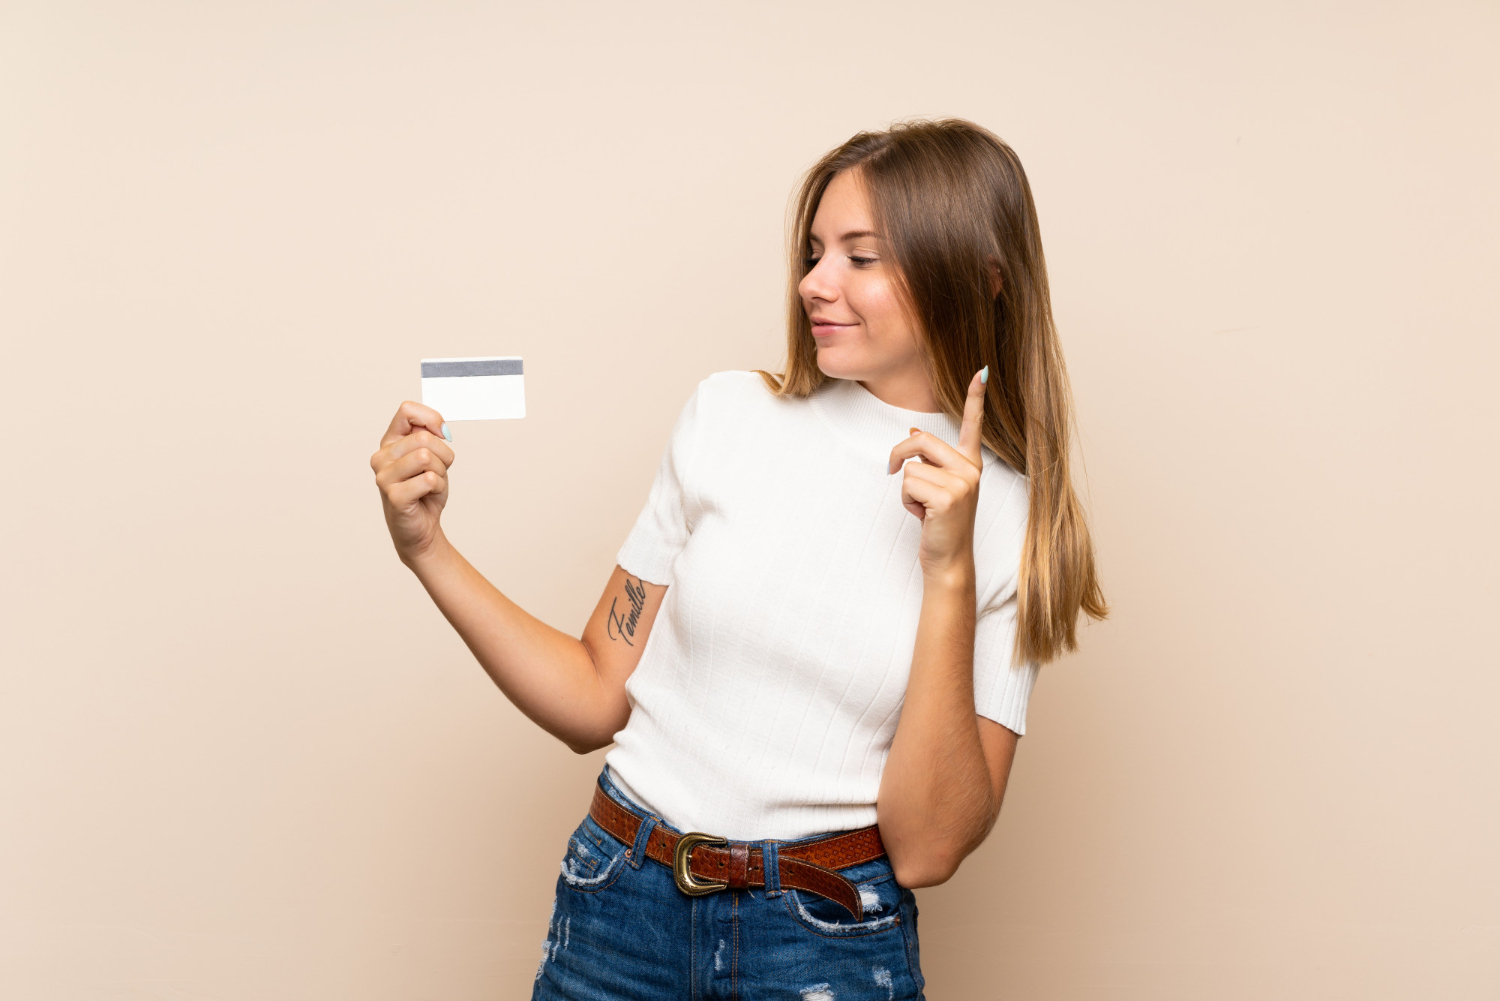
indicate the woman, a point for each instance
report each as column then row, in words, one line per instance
column 814, row 671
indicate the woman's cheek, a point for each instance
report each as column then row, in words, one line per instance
column 872, row 300
column 885, row 313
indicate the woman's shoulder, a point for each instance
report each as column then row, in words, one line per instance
column 736, row 385
column 998, row 475
column 730, row 412
column 1004, row 503
column 734, row 395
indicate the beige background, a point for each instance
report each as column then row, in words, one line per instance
column 242, row 757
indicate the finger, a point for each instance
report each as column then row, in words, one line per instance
column 936, row 497
column 930, row 448
column 420, row 438
column 938, row 477
column 411, row 464
column 408, row 492
column 919, row 496
column 414, row 415
column 408, row 466
column 971, row 431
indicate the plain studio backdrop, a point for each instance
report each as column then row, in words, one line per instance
column 243, row 757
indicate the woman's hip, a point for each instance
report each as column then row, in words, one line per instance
column 624, row 924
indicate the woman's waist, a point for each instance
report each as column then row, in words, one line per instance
column 739, row 794
column 833, row 865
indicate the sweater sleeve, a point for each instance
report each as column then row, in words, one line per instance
column 1002, row 685
column 662, row 529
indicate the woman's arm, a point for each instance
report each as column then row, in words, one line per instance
column 943, row 782
column 574, row 689
column 945, row 777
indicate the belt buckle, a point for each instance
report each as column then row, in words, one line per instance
column 682, row 862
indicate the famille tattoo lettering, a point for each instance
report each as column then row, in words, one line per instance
column 622, row 627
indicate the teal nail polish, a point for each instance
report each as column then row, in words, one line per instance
column 984, row 378
column 446, row 435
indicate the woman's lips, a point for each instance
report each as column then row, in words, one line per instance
column 825, row 328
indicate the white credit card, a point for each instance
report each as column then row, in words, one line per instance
column 474, row 389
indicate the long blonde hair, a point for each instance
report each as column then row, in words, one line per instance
column 955, row 209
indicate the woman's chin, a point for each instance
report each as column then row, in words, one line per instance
column 837, row 364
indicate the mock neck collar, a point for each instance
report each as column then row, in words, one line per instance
column 862, row 418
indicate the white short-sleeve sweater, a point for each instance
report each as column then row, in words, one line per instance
column 768, row 691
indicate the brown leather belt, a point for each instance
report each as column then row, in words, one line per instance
column 702, row 863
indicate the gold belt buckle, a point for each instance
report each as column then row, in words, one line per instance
column 682, row 862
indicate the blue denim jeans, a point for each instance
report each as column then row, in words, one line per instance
column 621, row 929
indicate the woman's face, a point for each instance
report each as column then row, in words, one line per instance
column 862, row 326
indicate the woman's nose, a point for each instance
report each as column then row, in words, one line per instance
column 816, row 285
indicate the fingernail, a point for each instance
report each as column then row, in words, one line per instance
column 984, row 376
column 446, row 435
column 916, row 430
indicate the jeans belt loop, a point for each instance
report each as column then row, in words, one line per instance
column 642, row 836
column 770, row 859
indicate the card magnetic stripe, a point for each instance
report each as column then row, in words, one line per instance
column 486, row 366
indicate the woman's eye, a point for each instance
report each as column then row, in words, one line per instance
column 862, row 262
column 809, row 263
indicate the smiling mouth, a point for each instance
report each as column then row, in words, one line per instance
column 823, row 328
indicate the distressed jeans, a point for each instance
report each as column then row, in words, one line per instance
column 621, row 929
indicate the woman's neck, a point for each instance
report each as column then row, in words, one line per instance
column 909, row 390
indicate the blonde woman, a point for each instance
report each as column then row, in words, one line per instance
column 815, row 654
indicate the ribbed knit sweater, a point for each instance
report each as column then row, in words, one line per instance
column 769, row 689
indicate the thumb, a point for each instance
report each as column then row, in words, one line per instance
column 971, row 432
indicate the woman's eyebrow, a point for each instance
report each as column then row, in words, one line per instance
column 853, row 235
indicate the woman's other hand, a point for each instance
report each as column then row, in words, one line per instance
column 942, row 488
column 411, row 470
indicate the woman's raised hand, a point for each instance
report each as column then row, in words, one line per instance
column 411, row 470
column 942, row 489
